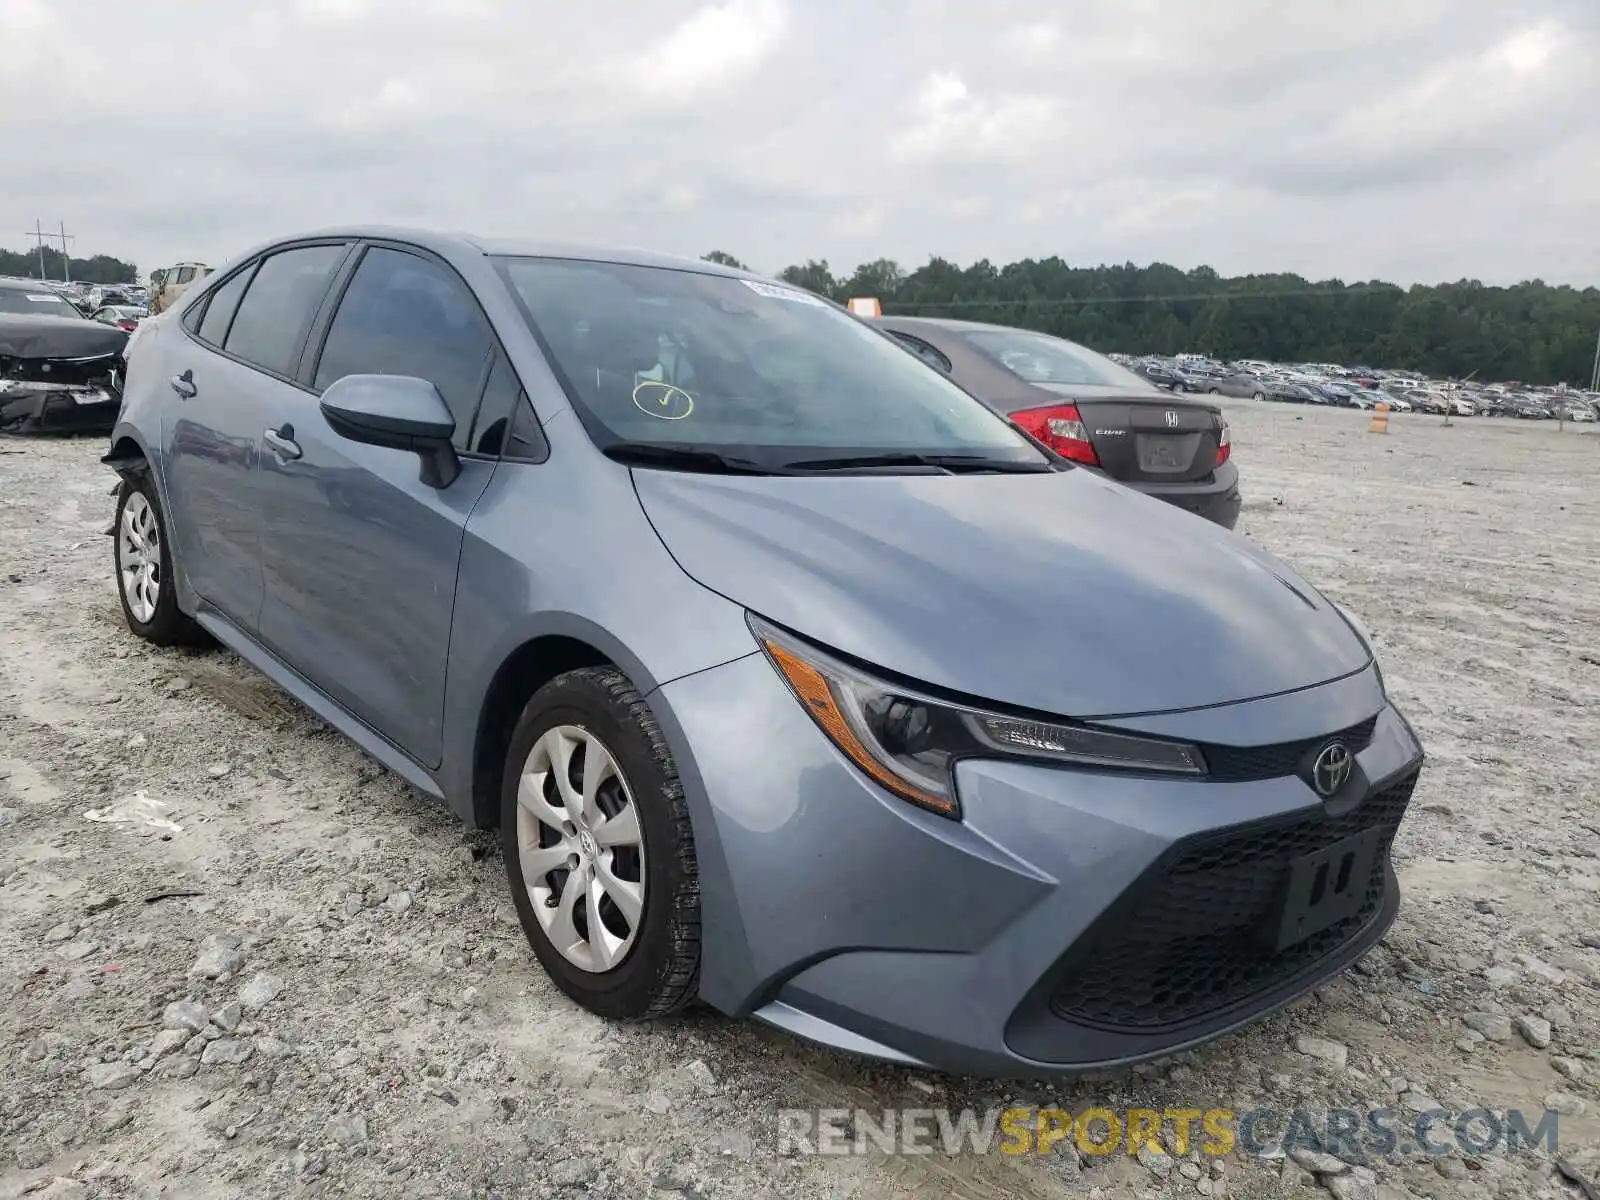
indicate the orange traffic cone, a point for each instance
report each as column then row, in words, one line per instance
column 1380, row 418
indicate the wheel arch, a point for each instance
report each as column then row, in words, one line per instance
column 127, row 455
column 528, row 667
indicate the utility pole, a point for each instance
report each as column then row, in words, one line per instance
column 66, row 259
column 1594, row 380
column 39, row 236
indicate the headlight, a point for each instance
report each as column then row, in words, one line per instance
column 909, row 743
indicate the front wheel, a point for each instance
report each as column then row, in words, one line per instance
column 598, row 848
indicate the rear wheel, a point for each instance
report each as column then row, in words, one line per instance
column 145, row 578
column 598, row 848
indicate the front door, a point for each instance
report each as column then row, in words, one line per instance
column 359, row 556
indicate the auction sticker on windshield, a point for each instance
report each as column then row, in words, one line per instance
column 780, row 293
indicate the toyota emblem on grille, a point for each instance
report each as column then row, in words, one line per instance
column 1332, row 769
column 1172, row 419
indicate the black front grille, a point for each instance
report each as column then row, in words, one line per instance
column 1238, row 764
column 1186, row 941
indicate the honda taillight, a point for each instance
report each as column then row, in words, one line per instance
column 1061, row 428
column 1224, row 443
column 125, row 324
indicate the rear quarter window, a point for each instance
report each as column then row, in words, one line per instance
column 270, row 325
column 224, row 302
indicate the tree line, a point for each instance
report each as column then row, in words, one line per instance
column 98, row 268
column 1530, row 332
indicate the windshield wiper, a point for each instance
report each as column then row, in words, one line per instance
column 976, row 463
column 687, row 458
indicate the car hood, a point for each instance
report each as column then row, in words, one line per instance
column 1065, row 592
column 28, row 337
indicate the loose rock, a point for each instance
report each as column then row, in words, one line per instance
column 1325, row 1049
column 184, row 1014
column 349, row 1129
column 111, row 1077
column 1359, row 1184
column 1317, row 1162
column 1534, row 1030
column 1494, row 1026
column 1565, row 1103
column 1570, row 1067
column 227, row 1017
column 219, row 957
column 261, row 991
column 227, row 1052
column 167, row 1041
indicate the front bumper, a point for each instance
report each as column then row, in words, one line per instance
column 1043, row 932
column 1216, row 498
column 51, row 408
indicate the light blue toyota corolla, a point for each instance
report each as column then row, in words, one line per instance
column 795, row 679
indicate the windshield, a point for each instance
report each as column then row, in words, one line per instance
column 1039, row 358
column 678, row 359
column 37, row 304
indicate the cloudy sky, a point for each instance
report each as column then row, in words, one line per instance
column 1402, row 139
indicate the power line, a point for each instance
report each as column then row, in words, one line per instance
column 1080, row 301
column 39, row 236
column 66, row 259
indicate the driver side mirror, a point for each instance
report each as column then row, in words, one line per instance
column 398, row 412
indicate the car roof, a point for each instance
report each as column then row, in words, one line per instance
column 25, row 285
column 445, row 242
column 954, row 325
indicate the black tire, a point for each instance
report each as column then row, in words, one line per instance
column 660, row 973
column 168, row 625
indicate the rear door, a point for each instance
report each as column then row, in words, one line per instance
column 1154, row 440
column 359, row 556
column 227, row 362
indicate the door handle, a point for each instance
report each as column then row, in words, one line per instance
column 282, row 442
column 184, row 385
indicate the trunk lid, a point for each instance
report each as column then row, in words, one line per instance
column 1151, row 439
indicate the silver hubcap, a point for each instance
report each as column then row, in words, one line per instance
column 580, row 848
column 139, row 557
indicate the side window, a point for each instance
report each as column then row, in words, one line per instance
column 406, row 315
column 185, row 275
column 277, row 308
column 224, row 301
column 923, row 351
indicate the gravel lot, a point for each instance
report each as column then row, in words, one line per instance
column 372, row 1021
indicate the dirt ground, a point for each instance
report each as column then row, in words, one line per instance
column 395, row 1037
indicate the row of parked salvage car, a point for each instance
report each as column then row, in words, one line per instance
column 1333, row 385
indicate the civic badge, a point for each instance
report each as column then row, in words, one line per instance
column 1332, row 769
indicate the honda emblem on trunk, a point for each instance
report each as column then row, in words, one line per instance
column 1172, row 419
